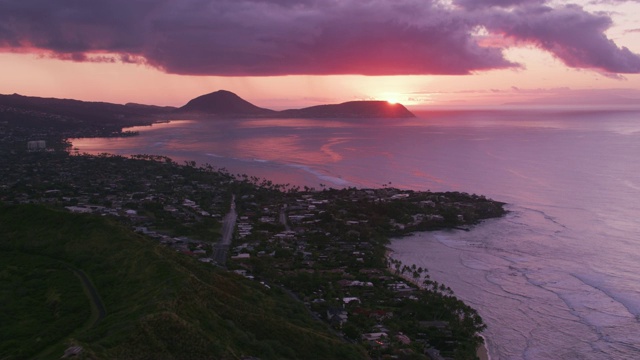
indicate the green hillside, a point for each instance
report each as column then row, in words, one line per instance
column 80, row 280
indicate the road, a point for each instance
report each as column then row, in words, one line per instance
column 93, row 295
column 221, row 249
column 283, row 217
column 98, row 310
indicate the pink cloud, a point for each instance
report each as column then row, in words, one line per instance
column 573, row 35
column 280, row 37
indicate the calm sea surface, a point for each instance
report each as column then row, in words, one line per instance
column 557, row 278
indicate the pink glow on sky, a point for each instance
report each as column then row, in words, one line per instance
column 293, row 53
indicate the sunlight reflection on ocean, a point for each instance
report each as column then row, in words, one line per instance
column 557, row 278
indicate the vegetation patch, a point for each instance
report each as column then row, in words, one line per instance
column 159, row 304
column 42, row 302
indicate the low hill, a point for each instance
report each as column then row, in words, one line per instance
column 224, row 103
column 351, row 109
column 41, row 112
column 69, row 280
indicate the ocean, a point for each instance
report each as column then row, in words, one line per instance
column 556, row 278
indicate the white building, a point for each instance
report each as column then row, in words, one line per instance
column 36, row 145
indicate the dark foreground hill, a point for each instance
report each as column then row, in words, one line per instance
column 82, row 281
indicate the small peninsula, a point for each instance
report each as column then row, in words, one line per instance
column 304, row 275
column 140, row 257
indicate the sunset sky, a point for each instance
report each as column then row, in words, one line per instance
column 292, row 53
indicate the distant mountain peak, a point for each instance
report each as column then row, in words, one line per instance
column 226, row 103
column 223, row 102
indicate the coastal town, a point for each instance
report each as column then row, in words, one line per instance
column 325, row 247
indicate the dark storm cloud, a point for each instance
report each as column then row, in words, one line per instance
column 571, row 34
column 476, row 4
column 278, row 37
column 294, row 38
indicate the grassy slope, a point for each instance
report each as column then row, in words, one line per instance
column 159, row 304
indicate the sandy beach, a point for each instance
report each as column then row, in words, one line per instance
column 481, row 352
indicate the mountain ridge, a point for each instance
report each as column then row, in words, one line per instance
column 221, row 103
column 351, row 109
column 226, row 103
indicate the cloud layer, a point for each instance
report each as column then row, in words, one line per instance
column 281, row 37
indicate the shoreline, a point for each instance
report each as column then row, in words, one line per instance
column 482, row 352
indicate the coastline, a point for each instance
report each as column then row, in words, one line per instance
column 482, row 352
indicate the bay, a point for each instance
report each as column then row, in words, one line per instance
column 557, row 278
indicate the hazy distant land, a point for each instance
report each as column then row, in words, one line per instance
column 225, row 103
column 67, row 113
